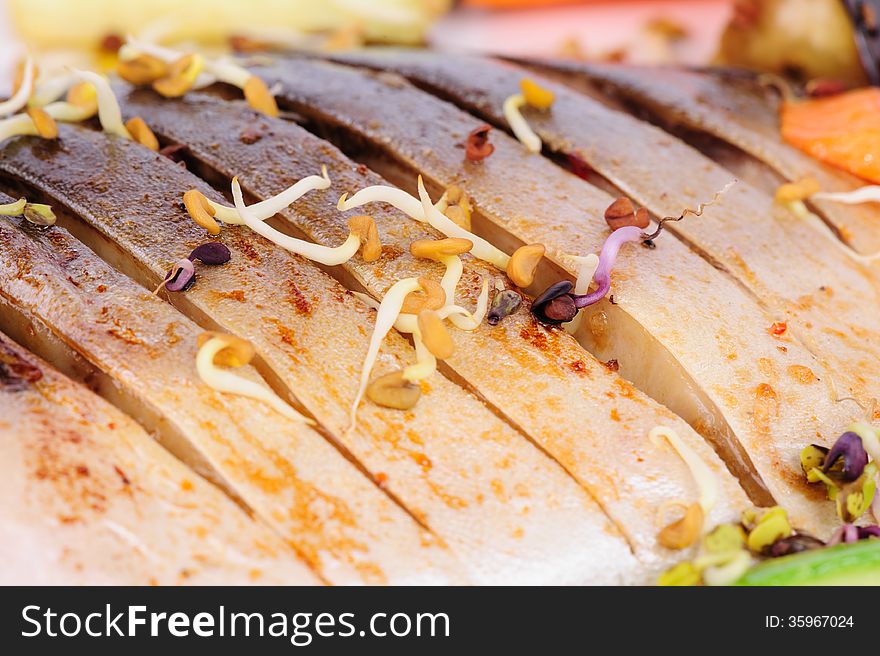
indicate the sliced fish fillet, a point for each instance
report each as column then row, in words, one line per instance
column 507, row 510
column 90, row 498
column 828, row 301
column 713, row 361
column 741, row 112
column 588, row 418
column 57, row 292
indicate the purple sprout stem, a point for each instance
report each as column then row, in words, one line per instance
column 607, row 257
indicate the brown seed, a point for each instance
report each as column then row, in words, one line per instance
column 434, row 335
column 622, row 213
column 431, row 298
column 201, row 211
column 454, row 194
column 434, row 249
column 45, row 124
column 258, row 96
column 236, row 351
column 392, row 391
column 142, row 133
column 524, row 263
column 685, row 531
column 143, row 69
column 364, row 227
column 459, row 216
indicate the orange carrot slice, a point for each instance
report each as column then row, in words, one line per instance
column 843, row 130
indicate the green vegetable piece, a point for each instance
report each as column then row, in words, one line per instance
column 845, row 564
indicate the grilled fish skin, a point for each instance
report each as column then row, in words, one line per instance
column 90, row 498
column 504, row 508
column 286, row 473
column 593, row 422
column 721, row 342
column 738, row 111
column 828, row 301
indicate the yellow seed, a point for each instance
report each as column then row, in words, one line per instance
column 364, row 227
column 143, row 69
column 772, row 526
column 84, row 96
column 536, row 95
column 432, row 297
column 459, row 216
column 800, row 190
column 685, row 531
column 434, row 249
column 434, row 335
column 393, row 391
column 523, row 264
column 236, row 352
column 45, row 124
column 182, row 74
column 454, row 194
column 201, row 211
column 258, row 96
column 142, row 133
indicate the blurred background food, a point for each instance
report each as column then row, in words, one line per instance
column 805, row 39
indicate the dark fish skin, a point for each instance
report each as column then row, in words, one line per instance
column 721, row 341
column 829, row 302
column 737, row 110
column 89, row 498
column 485, row 358
column 311, row 336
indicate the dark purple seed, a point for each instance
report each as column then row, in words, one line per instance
column 212, row 252
column 866, row 532
column 849, row 449
column 554, row 291
column 794, row 544
column 561, row 309
column 181, row 276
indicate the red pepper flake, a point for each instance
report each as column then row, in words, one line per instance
column 249, row 136
column 174, row 152
column 478, row 147
column 778, row 328
column 612, row 365
column 245, row 44
column 125, row 479
column 579, row 167
column 112, row 43
column 821, row 88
